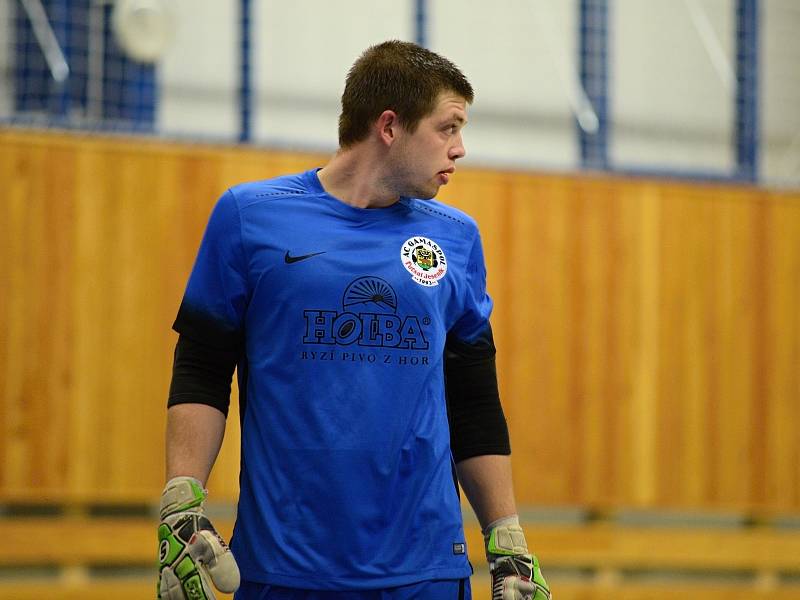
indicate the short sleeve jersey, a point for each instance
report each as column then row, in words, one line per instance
column 340, row 315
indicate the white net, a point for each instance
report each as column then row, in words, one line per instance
column 67, row 67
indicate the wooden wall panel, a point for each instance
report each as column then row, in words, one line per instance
column 99, row 237
column 781, row 360
column 648, row 332
column 652, row 339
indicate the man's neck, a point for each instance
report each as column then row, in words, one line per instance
column 355, row 176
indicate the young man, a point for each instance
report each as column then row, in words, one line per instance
column 351, row 302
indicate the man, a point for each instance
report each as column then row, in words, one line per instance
column 347, row 297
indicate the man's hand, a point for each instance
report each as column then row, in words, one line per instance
column 190, row 551
column 515, row 572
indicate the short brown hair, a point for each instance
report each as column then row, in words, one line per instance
column 398, row 76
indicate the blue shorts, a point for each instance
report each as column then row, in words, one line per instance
column 447, row 589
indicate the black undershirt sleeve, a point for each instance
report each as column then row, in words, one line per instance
column 477, row 422
column 202, row 374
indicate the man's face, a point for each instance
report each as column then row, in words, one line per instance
column 425, row 160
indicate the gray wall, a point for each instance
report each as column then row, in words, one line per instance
column 671, row 62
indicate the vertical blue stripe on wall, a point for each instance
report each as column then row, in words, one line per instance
column 60, row 100
column 593, row 65
column 246, row 74
column 747, row 122
column 421, row 23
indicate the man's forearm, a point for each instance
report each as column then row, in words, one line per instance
column 194, row 437
column 487, row 484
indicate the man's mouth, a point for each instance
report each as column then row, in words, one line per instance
column 444, row 176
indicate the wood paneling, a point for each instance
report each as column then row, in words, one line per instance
column 98, row 240
column 648, row 332
column 648, row 340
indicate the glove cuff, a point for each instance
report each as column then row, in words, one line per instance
column 180, row 494
column 504, row 537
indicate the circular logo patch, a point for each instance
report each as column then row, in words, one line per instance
column 424, row 259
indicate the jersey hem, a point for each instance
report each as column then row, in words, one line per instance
column 354, row 583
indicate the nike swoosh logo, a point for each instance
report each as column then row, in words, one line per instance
column 293, row 259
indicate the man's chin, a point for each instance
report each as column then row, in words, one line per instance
column 426, row 194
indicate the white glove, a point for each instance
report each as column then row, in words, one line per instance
column 190, row 551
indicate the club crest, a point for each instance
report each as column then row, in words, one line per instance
column 424, row 259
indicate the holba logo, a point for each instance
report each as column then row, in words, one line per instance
column 368, row 318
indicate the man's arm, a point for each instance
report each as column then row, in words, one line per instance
column 194, row 437
column 191, row 552
column 486, row 481
column 515, row 571
column 481, row 448
column 199, row 397
column 478, row 430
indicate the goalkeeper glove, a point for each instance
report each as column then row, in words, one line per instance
column 515, row 572
column 190, row 551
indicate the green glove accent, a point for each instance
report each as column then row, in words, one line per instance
column 515, row 572
column 191, row 554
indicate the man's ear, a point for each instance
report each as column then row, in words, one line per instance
column 387, row 127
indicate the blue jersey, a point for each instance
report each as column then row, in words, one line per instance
column 342, row 315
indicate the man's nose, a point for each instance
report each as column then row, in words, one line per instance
column 457, row 150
